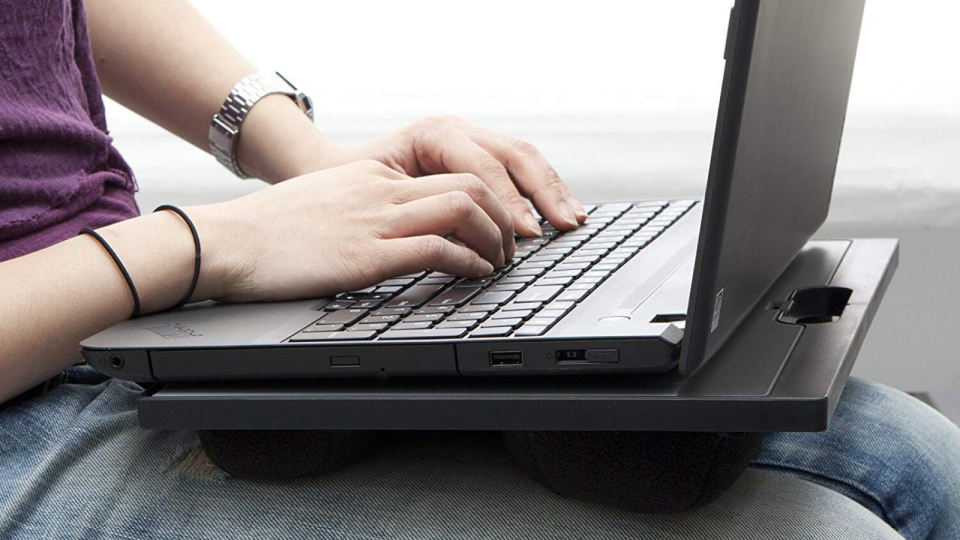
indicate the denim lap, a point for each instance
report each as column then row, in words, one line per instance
column 890, row 452
column 74, row 464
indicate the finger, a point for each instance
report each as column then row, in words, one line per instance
column 418, row 253
column 478, row 191
column 453, row 213
column 535, row 177
column 450, row 150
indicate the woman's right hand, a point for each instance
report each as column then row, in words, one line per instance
column 347, row 228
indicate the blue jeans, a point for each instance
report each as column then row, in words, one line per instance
column 74, row 464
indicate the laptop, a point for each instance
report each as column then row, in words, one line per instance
column 642, row 286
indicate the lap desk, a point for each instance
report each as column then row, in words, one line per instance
column 783, row 370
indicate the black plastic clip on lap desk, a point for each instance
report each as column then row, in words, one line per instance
column 770, row 376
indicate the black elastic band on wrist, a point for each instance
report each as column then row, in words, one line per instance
column 120, row 266
column 196, row 243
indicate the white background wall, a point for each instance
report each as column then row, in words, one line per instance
column 621, row 97
column 500, row 57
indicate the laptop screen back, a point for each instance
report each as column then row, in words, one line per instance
column 782, row 110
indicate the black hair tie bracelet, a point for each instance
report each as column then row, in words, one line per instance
column 196, row 243
column 119, row 263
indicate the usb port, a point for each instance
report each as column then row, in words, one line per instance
column 506, row 358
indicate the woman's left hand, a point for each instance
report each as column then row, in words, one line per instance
column 511, row 168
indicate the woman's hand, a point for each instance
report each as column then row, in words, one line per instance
column 511, row 168
column 346, row 228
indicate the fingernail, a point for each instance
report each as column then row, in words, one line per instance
column 579, row 209
column 485, row 268
column 531, row 223
column 567, row 213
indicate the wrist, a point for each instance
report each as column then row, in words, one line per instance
column 278, row 142
column 221, row 263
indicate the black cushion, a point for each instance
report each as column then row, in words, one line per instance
column 284, row 453
column 653, row 472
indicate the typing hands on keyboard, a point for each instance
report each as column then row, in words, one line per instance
column 544, row 281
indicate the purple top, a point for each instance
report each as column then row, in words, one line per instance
column 59, row 171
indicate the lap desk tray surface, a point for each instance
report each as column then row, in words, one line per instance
column 770, row 376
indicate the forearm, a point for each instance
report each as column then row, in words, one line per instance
column 56, row 297
column 166, row 62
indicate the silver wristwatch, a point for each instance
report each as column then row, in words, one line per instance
column 225, row 127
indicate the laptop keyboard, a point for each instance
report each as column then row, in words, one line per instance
column 546, row 279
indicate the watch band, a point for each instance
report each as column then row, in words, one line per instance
column 226, row 124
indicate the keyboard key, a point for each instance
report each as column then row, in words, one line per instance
column 636, row 242
column 542, row 321
column 478, row 282
column 531, row 331
column 367, row 304
column 579, row 259
column 491, row 332
column 397, row 282
column 547, row 257
column 512, row 323
column 558, row 250
column 506, row 287
column 345, row 316
column 536, row 264
column 415, row 296
column 561, row 273
column 478, row 308
column 517, row 279
column 391, row 311
column 437, row 281
column 380, row 319
column 581, row 286
column 377, row 327
column 539, row 294
column 526, row 272
column 531, row 242
column 587, row 252
column 359, row 292
column 390, row 289
column 572, row 266
column 352, row 297
column 429, row 333
column 473, row 316
column 517, row 314
column 599, row 243
column 457, row 296
column 514, row 306
column 609, row 235
column 339, row 304
column 434, row 309
column 413, row 325
column 493, row 298
column 542, row 282
column 323, row 328
column 334, row 336
column 457, row 324
column 573, row 295
column 429, row 317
